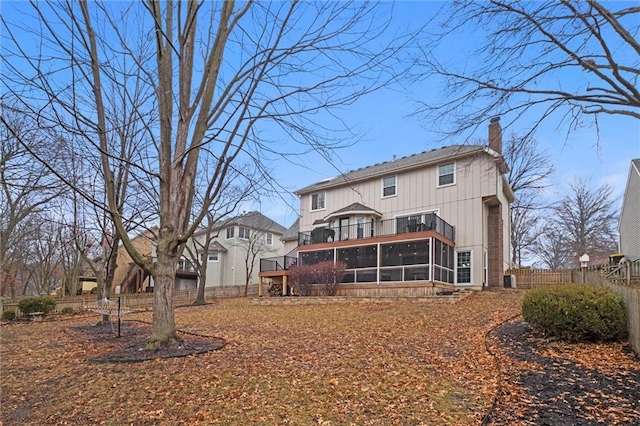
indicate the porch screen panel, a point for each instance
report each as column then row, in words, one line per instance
column 317, row 256
column 359, row 257
column 406, row 253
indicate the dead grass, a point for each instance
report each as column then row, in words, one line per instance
column 362, row 364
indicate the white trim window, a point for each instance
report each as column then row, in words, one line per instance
column 389, row 186
column 244, row 233
column 318, row 201
column 230, row 232
column 447, row 174
column 214, row 256
column 268, row 239
column 463, row 267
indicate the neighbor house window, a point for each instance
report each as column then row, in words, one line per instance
column 244, row 233
column 446, row 174
column 464, row 267
column 317, row 201
column 213, row 256
column 230, row 232
column 268, row 239
column 388, row 186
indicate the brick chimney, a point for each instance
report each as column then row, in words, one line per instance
column 495, row 135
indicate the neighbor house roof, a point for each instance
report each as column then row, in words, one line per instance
column 401, row 164
column 291, row 234
column 253, row 220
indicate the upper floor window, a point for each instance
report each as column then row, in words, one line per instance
column 268, row 239
column 388, row 186
column 317, row 201
column 213, row 256
column 230, row 232
column 446, row 174
column 244, row 233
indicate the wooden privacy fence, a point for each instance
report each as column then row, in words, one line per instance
column 136, row 301
column 530, row 278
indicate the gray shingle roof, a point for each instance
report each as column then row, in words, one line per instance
column 291, row 233
column 409, row 162
column 354, row 207
column 636, row 162
column 253, row 220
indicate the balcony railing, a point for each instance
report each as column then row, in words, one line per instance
column 279, row 263
column 186, row 266
column 400, row 225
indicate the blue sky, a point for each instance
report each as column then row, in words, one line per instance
column 385, row 126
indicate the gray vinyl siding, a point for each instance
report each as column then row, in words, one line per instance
column 629, row 227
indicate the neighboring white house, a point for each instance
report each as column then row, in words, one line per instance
column 440, row 216
column 237, row 243
column 629, row 224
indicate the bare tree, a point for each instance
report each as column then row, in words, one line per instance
column 528, row 176
column 552, row 248
column 220, row 77
column 571, row 59
column 586, row 219
column 255, row 239
column 27, row 187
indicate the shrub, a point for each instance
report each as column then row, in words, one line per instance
column 303, row 279
column 44, row 304
column 67, row 310
column 326, row 275
column 9, row 315
column 329, row 275
column 576, row 313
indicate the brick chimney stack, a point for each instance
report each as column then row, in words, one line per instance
column 495, row 135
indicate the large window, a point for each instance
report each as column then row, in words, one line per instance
column 446, row 174
column 388, row 186
column 244, row 233
column 230, row 232
column 464, row 267
column 317, row 201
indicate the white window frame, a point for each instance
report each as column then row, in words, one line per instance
column 240, row 232
column 470, row 267
column 440, row 174
column 395, row 186
column 217, row 253
column 232, row 229
column 268, row 239
column 324, row 201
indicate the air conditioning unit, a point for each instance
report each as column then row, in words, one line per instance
column 510, row 281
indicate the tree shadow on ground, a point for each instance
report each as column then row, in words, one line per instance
column 132, row 346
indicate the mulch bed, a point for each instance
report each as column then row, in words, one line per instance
column 106, row 347
column 544, row 385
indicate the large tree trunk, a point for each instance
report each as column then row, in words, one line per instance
column 164, row 328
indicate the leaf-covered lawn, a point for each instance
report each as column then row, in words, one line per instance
column 362, row 364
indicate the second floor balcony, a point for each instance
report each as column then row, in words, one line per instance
column 379, row 228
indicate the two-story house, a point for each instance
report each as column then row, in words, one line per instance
column 236, row 247
column 437, row 218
